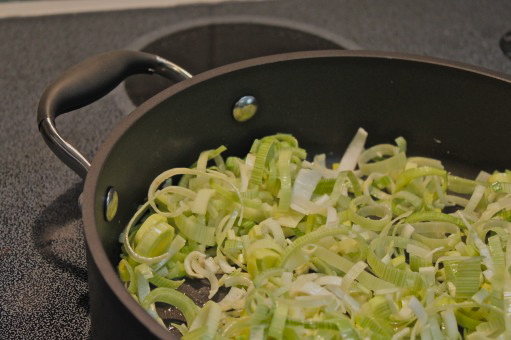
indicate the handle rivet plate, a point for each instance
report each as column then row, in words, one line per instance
column 245, row 108
column 111, row 204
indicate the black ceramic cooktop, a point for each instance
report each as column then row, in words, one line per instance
column 43, row 287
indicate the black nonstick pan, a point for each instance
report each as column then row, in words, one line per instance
column 456, row 113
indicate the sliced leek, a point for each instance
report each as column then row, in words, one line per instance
column 380, row 245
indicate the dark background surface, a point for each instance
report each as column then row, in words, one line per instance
column 42, row 254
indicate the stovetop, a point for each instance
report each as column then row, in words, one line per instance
column 43, row 271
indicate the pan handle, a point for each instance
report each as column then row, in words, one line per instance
column 87, row 82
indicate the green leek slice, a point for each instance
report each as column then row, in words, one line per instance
column 380, row 246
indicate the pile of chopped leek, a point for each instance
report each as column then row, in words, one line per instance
column 379, row 245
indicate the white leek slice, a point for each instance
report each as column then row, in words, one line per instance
column 350, row 158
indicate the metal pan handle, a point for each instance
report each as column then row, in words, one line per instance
column 87, row 82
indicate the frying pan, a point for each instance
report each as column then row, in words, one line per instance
column 453, row 112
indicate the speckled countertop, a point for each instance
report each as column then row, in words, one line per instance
column 43, row 272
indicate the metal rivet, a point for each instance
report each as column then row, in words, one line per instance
column 245, row 108
column 111, row 204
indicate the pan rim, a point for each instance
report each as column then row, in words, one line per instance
column 93, row 242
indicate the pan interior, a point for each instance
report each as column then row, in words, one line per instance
column 448, row 113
